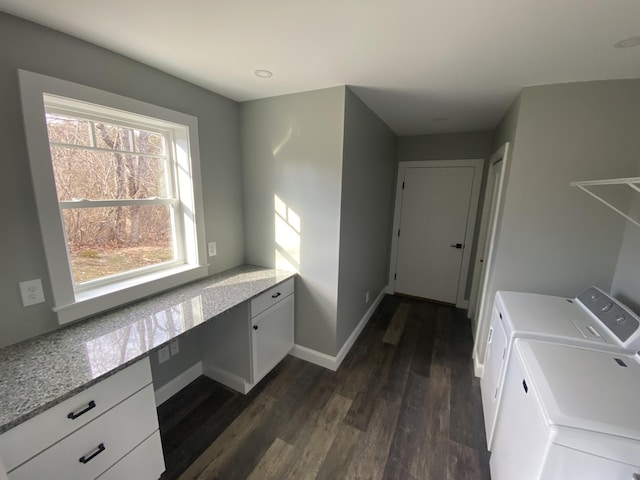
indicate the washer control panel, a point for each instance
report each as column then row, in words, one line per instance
column 615, row 316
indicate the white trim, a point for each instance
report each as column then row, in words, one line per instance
column 122, row 293
column 315, row 357
column 333, row 363
column 478, row 166
column 226, row 378
column 478, row 368
column 356, row 331
column 483, row 316
column 72, row 304
column 173, row 386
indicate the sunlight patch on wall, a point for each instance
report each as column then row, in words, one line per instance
column 287, row 233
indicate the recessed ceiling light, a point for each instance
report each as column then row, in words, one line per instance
column 263, row 73
column 628, row 42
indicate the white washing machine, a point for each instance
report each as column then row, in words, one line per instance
column 568, row 413
column 593, row 319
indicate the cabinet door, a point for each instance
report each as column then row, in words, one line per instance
column 272, row 336
column 494, row 367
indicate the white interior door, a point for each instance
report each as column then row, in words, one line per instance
column 433, row 227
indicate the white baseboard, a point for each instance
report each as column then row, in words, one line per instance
column 328, row 361
column 224, row 377
column 315, row 357
column 478, row 368
column 173, row 386
column 356, row 332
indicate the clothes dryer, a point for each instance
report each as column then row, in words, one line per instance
column 568, row 413
column 593, row 319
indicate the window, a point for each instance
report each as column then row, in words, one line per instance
column 117, row 189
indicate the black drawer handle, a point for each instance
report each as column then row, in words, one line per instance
column 74, row 415
column 101, row 448
column 255, row 327
column 276, row 295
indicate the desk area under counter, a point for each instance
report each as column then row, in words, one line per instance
column 50, row 385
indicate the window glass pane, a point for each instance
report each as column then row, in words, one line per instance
column 109, row 240
column 148, row 142
column 113, row 137
column 68, row 130
column 97, row 175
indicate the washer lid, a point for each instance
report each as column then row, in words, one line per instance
column 589, row 390
column 543, row 316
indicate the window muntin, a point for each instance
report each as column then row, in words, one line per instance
column 167, row 142
column 116, row 192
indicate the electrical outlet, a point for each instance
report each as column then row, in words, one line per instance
column 366, row 297
column 31, row 292
column 164, row 354
column 175, row 347
column 212, row 249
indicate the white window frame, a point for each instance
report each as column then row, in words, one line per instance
column 93, row 297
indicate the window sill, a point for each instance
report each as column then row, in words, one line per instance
column 118, row 294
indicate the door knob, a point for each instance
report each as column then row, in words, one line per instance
column 457, row 245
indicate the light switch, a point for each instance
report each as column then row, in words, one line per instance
column 212, row 249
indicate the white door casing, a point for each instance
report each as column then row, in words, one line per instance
column 435, row 193
column 488, row 210
column 483, row 314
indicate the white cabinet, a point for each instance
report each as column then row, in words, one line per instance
column 272, row 336
column 492, row 379
column 87, row 434
column 240, row 347
column 145, row 462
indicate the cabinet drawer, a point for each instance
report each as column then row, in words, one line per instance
column 31, row 437
column 100, row 443
column 145, row 462
column 271, row 297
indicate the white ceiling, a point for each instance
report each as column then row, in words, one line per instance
column 411, row 61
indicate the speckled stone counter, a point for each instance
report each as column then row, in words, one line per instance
column 45, row 370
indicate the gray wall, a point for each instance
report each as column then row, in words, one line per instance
column 292, row 148
column 189, row 354
column 506, row 129
column 31, row 47
column 554, row 238
column 368, row 182
column 626, row 280
column 449, row 146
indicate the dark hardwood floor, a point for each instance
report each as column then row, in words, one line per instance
column 403, row 405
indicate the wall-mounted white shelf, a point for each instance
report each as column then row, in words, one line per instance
column 632, row 182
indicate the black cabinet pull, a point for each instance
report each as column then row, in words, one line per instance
column 74, row 415
column 276, row 295
column 255, row 327
column 101, row 448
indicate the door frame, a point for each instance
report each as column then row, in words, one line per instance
column 485, row 302
column 478, row 165
column 490, row 198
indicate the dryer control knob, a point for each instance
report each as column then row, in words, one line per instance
column 607, row 307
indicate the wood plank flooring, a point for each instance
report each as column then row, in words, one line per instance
column 403, row 405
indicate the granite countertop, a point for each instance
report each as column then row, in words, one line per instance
column 40, row 372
